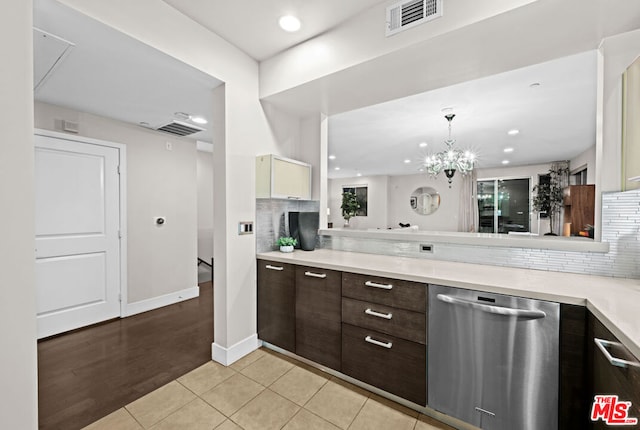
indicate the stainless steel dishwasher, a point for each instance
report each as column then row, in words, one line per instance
column 493, row 360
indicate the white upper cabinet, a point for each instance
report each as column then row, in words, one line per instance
column 282, row 178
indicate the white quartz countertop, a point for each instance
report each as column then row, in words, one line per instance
column 615, row 301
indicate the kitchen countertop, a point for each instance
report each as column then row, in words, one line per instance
column 615, row 301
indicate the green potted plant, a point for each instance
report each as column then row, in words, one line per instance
column 549, row 197
column 286, row 243
column 349, row 206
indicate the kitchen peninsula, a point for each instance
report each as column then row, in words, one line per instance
column 382, row 303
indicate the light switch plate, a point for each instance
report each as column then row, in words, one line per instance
column 245, row 227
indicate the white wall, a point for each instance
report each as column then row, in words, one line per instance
column 242, row 133
column 205, row 205
column 399, row 207
column 161, row 260
column 376, row 202
column 586, row 159
column 18, row 408
column 389, row 202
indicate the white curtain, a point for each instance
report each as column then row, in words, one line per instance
column 560, row 175
column 468, row 217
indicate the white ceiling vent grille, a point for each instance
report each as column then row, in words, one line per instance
column 407, row 14
column 180, row 128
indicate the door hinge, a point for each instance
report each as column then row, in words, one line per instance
column 120, row 297
column 118, row 169
column 119, row 234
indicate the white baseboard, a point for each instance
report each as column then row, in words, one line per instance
column 160, row 301
column 227, row 356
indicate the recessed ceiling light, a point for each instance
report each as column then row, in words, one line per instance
column 505, row 161
column 199, row 120
column 289, row 23
column 513, row 132
column 359, row 174
column 423, row 144
column 407, row 161
column 508, row 149
column 332, row 157
column 337, row 168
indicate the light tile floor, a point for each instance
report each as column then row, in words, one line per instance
column 263, row 391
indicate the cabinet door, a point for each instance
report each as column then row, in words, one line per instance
column 318, row 315
column 276, row 304
column 609, row 379
column 291, row 179
column 574, row 403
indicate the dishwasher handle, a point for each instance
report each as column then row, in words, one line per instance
column 499, row 310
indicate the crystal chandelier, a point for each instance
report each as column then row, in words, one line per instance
column 450, row 159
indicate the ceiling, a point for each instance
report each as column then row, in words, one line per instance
column 555, row 119
column 110, row 74
column 239, row 21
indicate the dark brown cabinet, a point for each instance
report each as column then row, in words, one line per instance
column 318, row 316
column 276, row 304
column 613, row 370
column 572, row 407
column 384, row 334
column 579, row 206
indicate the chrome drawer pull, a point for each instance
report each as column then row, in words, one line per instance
column 315, row 275
column 602, row 344
column 387, row 345
column 270, row 267
column 376, row 285
column 368, row 311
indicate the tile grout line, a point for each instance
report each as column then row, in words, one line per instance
column 356, row 415
column 132, row 416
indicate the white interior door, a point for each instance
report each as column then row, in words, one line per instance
column 77, row 234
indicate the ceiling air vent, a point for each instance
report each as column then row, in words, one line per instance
column 180, row 128
column 407, row 14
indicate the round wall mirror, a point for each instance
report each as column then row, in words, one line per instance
column 425, row 200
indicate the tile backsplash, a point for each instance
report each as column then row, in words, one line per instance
column 620, row 228
column 272, row 220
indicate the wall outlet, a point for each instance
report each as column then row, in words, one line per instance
column 426, row 247
column 169, row 146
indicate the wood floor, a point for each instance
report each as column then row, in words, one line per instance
column 87, row 374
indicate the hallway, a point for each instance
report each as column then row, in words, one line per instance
column 89, row 373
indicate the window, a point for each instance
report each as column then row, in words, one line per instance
column 503, row 205
column 578, row 177
column 361, row 192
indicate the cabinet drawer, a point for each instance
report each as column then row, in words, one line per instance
column 392, row 292
column 401, row 323
column 400, row 368
column 318, row 316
